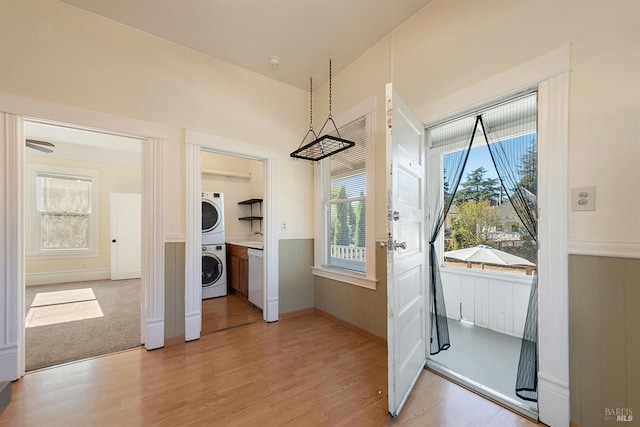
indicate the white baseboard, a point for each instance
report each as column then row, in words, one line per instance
column 155, row 334
column 272, row 310
column 193, row 326
column 48, row 278
column 8, row 362
column 553, row 401
column 124, row 275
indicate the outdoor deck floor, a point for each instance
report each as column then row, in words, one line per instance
column 485, row 357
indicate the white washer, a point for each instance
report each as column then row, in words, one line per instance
column 214, row 271
column 212, row 218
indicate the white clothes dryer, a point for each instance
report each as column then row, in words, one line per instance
column 212, row 219
column 214, row 271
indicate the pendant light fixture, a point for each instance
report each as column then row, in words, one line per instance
column 325, row 145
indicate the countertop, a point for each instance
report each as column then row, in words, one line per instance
column 248, row 244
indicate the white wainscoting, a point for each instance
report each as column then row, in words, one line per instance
column 493, row 300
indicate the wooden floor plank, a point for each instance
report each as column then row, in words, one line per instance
column 228, row 312
column 303, row 371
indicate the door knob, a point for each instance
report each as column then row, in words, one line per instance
column 113, row 241
column 397, row 245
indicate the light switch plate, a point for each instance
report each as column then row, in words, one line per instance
column 583, row 198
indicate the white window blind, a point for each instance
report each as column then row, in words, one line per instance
column 347, row 201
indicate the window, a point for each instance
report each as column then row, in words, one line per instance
column 346, row 201
column 504, row 136
column 345, row 197
column 64, row 211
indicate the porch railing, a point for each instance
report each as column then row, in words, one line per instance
column 492, row 300
column 351, row 253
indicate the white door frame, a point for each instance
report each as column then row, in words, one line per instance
column 15, row 108
column 195, row 143
column 549, row 73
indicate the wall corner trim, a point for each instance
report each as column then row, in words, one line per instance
column 193, row 326
column 554, row 396
column 155, row 334
column 8, row 362
column 370, row 335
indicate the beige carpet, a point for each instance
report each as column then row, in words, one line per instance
column 73, row 321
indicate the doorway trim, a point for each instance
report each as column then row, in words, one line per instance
column 13, row 110
column 549, row 73
column 195, row 143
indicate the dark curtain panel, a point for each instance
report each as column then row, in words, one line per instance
column 454, row 138
column 515, row 159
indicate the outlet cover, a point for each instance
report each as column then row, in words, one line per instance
column 583, row 198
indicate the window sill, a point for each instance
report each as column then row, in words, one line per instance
column 342, row 276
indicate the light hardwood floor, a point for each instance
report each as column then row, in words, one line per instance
column 303, row 371
column 227, row 312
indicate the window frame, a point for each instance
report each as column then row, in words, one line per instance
column 322, row 268
column 436, row 160
column 33, row 216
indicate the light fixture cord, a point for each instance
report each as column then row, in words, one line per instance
column 329, row 87
column 310, row 103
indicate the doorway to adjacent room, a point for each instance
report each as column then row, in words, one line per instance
column 83, row 243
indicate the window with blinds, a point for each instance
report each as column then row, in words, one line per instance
column 64, row 205
column 347, row 200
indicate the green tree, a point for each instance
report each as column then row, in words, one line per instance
column 472, row 224
column 528, row 170
column 360, row 211
column 341, row 232
column 446, row 185
column 478, row 188
column 528, row 249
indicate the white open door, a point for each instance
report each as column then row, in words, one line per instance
column 126, row 236
column 406, row 257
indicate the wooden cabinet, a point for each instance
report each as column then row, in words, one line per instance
column 238, row 268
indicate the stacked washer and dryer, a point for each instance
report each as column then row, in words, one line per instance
column 214, row 257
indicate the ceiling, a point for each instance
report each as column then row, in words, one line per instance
column 79, row 144
column 303, row 34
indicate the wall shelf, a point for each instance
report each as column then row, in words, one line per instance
column 250, row 202
column 252, row 217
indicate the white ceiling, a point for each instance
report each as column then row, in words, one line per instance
column 80, row 144
column 304, row 34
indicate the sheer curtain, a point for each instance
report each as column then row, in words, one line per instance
column 510, row 132
column 455, row 140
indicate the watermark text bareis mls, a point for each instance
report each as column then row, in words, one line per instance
column 618, row 414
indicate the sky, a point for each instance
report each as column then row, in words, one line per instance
column 480, row 157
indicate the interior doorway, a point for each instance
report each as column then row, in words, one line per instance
column 15, row 111
column 74, row 303
column 232, row 226
column 196, row 143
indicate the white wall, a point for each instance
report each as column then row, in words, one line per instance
column 235, row 190
column 56, row 53
column 453, row 44
column 113, row 178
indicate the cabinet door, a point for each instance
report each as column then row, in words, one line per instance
column 244, row 277
column 233, row 272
